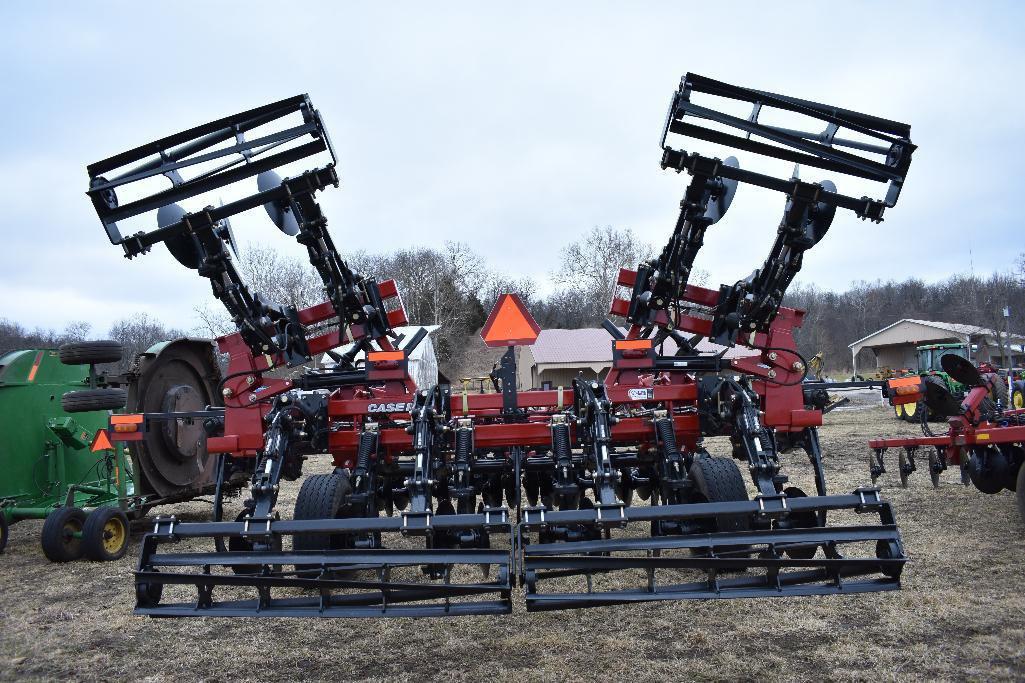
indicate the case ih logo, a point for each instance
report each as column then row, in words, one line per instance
column 389, row 407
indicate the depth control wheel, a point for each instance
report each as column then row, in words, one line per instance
column 719, row 480
column 323, row 496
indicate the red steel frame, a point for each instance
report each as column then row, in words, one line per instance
column 777, row 371
column 966, row 430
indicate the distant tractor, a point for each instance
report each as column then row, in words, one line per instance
column 931, row 371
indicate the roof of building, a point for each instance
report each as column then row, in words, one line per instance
column 960, row 329
column 593, row 345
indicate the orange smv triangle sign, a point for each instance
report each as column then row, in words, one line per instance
column 101, row 442
column 509, row 323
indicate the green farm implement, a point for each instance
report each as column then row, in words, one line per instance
column 57, row 458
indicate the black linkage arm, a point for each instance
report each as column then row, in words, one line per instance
column 594, row 419
column 660, row 284
column 880, row 151
column 217, row 155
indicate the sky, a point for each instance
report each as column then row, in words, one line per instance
column 512, row 127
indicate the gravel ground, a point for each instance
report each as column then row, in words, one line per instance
column 960, row 614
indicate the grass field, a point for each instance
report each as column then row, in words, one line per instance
column 960, row 615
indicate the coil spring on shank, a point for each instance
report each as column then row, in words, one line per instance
column 560, row 441
column 464, row 444
column 367, row 445
column 667, row 435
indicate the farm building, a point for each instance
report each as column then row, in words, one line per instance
column 894, row 345
column 423, row 363
column 560, row 355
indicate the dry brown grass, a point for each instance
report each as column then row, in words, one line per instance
column 960, row 615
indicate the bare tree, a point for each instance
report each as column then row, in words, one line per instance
column 138, row 334
column 277, row 277
column 590, row 266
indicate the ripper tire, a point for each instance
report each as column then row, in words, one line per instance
column 322, row 496
column 719, row 480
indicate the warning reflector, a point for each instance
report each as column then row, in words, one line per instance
column 101, row 442
column 509, row 323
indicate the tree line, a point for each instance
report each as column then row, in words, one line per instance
column 454, row 287
column 836, row 319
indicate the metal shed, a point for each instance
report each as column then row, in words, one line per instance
column 894, row 345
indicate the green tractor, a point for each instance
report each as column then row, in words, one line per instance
column 929, row 366
column 931, row 371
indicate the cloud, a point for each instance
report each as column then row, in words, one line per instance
column 512, row 131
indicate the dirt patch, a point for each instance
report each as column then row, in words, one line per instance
column 960, row 615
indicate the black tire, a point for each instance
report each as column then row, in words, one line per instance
column 90, row 352
column 59, row 545
column 88, row 400
column 237, row 544
column 1018, row 396
column 999, row 391
column 4, row 532
column 148, row 594
column 1020, row 494
column 106, row 534
column 989, row 485
column 322, row 496
column 719, row 480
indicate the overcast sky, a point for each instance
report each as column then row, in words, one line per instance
column 513, row 129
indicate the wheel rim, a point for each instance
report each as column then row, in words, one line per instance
column 114, row 535
column 899, row 410
column 72, row 527
column 909, row 410
column 1018, row 400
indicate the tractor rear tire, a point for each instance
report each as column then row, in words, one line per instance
column 91, row 352
column 4, row 533
column 58, row 538
column 999, row 392
column 1018, row 397
column 90, row 400
column 1020, row 493
column 322, row 496
column 719, row 480
column 106, row 534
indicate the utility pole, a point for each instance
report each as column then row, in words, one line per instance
column 1008, row 357
column 1007, row 337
